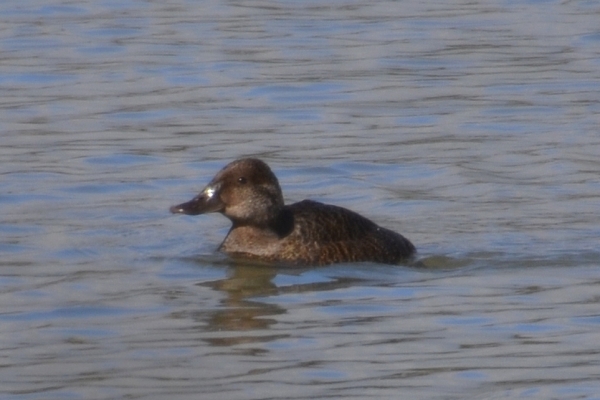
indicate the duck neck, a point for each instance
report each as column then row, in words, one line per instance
column 279, row 222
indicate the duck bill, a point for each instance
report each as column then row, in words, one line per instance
column 206, row 202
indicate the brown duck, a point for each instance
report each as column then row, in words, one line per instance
column 305, row 233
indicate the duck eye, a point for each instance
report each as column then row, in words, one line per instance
column 242, row 180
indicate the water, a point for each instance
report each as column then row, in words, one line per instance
column 470, row 127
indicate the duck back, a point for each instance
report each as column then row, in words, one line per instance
column 312, row 233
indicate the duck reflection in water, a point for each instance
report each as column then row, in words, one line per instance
column 242, row 311
column 238, row 312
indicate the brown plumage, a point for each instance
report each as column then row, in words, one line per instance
column 304, row 233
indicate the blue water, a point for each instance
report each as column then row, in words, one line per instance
column 469, row 127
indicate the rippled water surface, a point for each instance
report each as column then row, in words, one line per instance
column 472, row 127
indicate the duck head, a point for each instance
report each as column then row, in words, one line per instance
column 246, row 191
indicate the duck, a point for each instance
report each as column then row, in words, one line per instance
column 306, row 233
